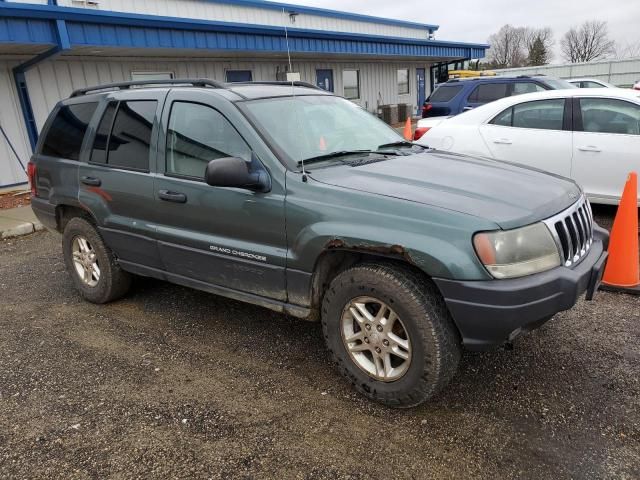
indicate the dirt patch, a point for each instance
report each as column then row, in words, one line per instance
column 174, row 383
column 14, row 199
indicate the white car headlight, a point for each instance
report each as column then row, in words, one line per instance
column 519, row 252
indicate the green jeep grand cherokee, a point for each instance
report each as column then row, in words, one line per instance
column 288, row 197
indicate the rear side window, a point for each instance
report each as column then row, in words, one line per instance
column 445, row 94
column 123, row 137
column 488, row 92
column 65, row 135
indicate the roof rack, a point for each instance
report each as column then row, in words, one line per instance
column 196, row 82
column 270, row 82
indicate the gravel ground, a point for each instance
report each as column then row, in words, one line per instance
column 175, row 383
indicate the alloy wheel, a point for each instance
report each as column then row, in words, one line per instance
column 85, row 261
column 376, row 339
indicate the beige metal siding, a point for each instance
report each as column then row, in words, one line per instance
column 51, row 81
column 12, row 121
column 207, row 10
column 617, row 72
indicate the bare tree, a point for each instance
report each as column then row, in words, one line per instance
column 628, row 50
column 507, row 48
column 539, row 45
column 590, row 41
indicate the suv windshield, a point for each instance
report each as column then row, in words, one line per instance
column 306, row 127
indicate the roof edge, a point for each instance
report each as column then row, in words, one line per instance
column 37, row 11
column 326, row 12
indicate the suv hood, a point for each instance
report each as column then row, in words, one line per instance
column 506, row 194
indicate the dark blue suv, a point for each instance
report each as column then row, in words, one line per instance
column 456, row 96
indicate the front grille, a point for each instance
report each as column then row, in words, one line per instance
column 572, row 231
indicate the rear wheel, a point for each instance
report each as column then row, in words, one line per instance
column 390, row 334
column 91, row 263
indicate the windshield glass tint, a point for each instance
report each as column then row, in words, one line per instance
column 309, row 126
column 444, row 94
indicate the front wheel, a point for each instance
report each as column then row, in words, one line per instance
column 390, row 334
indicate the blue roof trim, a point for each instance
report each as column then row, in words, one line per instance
column 326, row 13
column 27, row 31
column 176, row 23
column 126, row 36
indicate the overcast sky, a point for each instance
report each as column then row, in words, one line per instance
column 475, row 20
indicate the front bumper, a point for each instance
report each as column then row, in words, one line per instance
column 491, row 313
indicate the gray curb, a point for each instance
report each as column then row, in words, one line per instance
column 21, row 229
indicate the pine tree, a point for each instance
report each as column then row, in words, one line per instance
column 538, row 54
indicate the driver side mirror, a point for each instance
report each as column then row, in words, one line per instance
column 234, row 172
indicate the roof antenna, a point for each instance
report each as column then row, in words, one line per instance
column 293, row 91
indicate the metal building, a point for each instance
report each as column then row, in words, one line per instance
column 48, row 48
column 622, row 73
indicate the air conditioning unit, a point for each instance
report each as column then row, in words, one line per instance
column 288, row 76
column 86, row 3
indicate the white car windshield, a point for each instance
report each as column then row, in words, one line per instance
column 309, row 126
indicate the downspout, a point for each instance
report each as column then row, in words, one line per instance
column 62, row 37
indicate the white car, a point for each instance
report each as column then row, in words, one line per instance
column 589, row 135
column 590, row 83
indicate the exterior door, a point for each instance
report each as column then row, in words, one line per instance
column 115, row 181
column 534, row 134
column 324, row 80
column 422, row 87
column 606, row 145
column 228, row 237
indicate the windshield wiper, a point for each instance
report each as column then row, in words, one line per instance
column 401, row 143
column 329, row 156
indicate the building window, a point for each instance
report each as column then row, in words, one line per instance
column 235, row 76
column 351, row 84
column 403, row 81
column 146, row 76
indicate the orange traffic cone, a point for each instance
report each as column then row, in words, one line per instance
column 408, row 130
column 623, row 266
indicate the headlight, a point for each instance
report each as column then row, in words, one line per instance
column 519, row 252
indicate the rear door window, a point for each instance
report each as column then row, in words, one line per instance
column 66, row 133
column 99, row 152
column 445, row 93
column 609, row 115
column 123, row 137
column 488, row 92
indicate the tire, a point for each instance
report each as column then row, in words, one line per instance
column 112, row 282
column 433, row 348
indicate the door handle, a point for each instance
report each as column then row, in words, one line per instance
column 175, row 197
column 589, row 148
column 503, row 141
column 91, row 181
